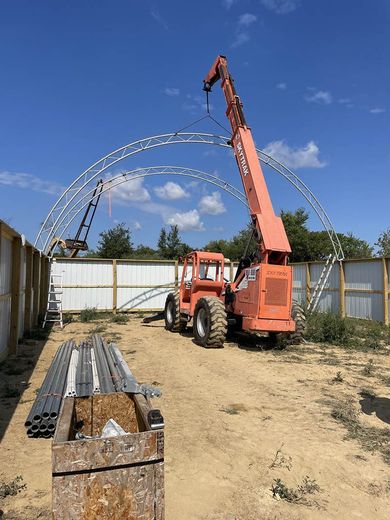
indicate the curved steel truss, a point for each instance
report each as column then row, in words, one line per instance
column 77, row 191
column 127, row 176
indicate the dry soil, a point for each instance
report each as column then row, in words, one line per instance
column 237, row 419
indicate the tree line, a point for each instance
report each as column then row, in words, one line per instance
column 306, row 245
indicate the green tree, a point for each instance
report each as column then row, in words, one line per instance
column 233, row 249
column 170, row 245
column 306, row 245
column 384, row 243
column 162, row 243
column 145, row 252
column 115, row 243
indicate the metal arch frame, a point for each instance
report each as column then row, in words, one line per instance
column 145, row 172
column 50, row 225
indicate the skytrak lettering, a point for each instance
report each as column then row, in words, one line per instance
column 242, row 159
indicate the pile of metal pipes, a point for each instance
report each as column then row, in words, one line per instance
column 93, row 367
column 42, row 419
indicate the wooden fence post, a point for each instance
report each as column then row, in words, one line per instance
column 176, row 274
column 36, row 287
column 308, row 284
column 114, row 286
column 15, row 292
column 342, row 289
column 385, row 292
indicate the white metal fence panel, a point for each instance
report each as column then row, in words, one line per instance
column 86, row 284
column 84, row 272
column 299, row 283
column 5, row 296
column 361, row 277
column 143, row 285
column 142, row 299
column 330, row 299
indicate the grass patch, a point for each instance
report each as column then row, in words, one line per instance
column 119, row 318
column 338, row 378
column 98, row 329
column 281, row 460
column 368, row 392
column 296, row 495
column 88, row 314
column 371, row 438
column 366, row 335
column 11, row 488
column 234, row 409
column 369, row 368
column 325, row 327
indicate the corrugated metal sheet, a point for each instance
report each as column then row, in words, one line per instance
column 5, row 288
column 6, row 266
column 145, row 273
column 153, row 298
column 363, row 275
column 5, row 318
column 364, row 305
column 330, row 297
column 79, row 299
column 299, row 283
column 84, row 272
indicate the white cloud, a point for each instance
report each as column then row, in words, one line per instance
column 344, row 101
column 171, row 91
column 377, row 110
column 212, row 204
column 137, row 225
column 228, row 3
column 187, row 221
column 31, row 182
column 281, row 6
column 131, row 191
column 171, row 191
column 281, row 86
column 247, row 19
column 322, row 97
column 155, row 13
column 242, row 34
column 304, row 157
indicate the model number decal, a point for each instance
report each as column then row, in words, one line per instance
column 242, row 159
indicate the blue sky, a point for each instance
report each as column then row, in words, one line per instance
column 82, row 78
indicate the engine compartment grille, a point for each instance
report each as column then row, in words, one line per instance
column 276, row 292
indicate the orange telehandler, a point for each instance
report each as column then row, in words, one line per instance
column 260, row 297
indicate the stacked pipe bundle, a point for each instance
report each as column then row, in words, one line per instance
column 93, row 367
column 42, row 419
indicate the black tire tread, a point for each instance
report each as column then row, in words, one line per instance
column 218, row 322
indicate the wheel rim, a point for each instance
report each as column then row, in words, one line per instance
column 202, row 322
column 170, row 312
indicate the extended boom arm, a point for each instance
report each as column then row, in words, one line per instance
column 271, row 235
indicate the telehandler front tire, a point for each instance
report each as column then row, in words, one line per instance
column 210, row 322
column 172, row 318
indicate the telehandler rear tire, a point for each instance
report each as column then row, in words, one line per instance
column 172, row 318
column 298, row 315
column 210, row 322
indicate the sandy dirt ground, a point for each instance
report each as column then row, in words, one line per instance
column 227, row 413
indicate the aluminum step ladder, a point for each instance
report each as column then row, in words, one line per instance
column 54, row 300
column 314, row 300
